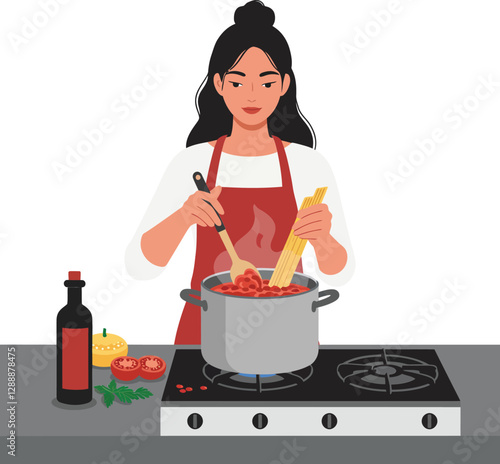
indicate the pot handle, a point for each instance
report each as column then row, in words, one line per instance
column 186, row 296
column 331, row 296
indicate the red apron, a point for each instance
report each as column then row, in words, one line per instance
column 258, row 221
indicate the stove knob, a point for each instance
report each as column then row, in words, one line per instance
column 329, row 421
column 429, row 421
column 260, row 421
column 195, row 421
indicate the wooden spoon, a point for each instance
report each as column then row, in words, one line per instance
column 239, row 266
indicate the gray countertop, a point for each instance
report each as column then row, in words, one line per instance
column 473, row 370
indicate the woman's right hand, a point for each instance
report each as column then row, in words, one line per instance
column 196, row 210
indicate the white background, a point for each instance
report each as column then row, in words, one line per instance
column 440, row 223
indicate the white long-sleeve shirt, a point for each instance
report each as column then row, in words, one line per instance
column 308, row 170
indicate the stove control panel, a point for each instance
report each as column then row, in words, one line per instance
column 310, row 420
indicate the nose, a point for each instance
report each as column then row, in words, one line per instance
column 251, row 93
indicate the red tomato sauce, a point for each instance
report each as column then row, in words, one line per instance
column 250, row 284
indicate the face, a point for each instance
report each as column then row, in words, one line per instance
column 252, row 88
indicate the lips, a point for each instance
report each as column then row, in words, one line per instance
column 251, row 110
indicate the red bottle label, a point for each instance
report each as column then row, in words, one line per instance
column 75, row 359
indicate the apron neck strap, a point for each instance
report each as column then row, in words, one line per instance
column 214, row 163
column 286, row 180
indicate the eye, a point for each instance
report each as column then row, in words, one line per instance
column 267, row 85
column 235, row 84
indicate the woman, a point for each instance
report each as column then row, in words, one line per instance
column 256, row 152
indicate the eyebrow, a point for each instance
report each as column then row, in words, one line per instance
column 236, row 72
column 268, row 72
column 265, row 73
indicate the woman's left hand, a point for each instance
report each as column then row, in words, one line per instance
column 314, row 223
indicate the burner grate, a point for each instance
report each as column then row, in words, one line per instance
column 257, row 383
column 388, row 373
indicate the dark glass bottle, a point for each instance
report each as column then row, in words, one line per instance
column 74, row 346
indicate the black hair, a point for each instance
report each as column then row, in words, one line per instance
column 286, row 122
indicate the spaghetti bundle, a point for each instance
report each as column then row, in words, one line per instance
column 294, row 247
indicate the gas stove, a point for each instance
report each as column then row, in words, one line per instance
column 344, row 392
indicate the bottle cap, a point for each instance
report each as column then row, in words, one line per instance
column 74, row 275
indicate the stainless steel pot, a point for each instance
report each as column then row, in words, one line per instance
column 267, row 335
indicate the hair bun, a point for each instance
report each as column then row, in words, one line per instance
column 255, row 14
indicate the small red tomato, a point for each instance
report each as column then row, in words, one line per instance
column 203, row 387
column 182, row 390
column 125, row 368
column 152, row 367
column 189, row 389
column 180, row 386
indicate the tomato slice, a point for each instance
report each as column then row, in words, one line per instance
column 151, row 367
column 125, row 368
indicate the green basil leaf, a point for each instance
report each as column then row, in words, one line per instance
column 108, row 399
column 142, row 393
column 125, row 394
column 102, row 389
